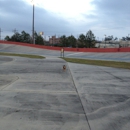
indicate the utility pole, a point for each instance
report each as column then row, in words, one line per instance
column 33, row 38
column 15, row 30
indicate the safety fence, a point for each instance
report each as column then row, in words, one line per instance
column 127, row 49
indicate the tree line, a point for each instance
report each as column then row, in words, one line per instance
column 111, row 38
column 25, row 37
column 87, row 41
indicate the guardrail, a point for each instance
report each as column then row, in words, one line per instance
column 127, row 49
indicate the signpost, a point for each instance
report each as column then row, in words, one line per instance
column 62, row 52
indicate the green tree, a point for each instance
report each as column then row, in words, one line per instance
column 72, row 41
column 87, row 40
column 82, row 40
column 64, row 41
column 90, row 39
column 15, row 37
column 127, row 38
column 39, row 39
column 25, row 37
column 7, row 38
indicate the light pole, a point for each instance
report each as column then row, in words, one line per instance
column 33, row 38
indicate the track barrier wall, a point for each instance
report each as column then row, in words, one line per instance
column 69, row 49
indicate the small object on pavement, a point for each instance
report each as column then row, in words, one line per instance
column 64, row 67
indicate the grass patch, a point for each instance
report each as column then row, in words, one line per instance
column 22, row 55
column 125, row 65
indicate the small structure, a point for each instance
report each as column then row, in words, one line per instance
column 53, row 40
column 113, row 44
column 125, row 43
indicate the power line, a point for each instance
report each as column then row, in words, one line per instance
column 15, row 30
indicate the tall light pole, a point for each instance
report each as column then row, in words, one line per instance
column 33, row 38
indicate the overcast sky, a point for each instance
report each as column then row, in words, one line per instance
column 59, row 17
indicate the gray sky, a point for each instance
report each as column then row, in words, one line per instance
column 59, row 17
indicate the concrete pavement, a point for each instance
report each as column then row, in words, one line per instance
column 87, row 55
column 38, row 95
column 105, row 95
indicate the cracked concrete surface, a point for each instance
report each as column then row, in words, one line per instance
column 120, row 56
column 36, row 94
column 42, row 98
column 105, row 95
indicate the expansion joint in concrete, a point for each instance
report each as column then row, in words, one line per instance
column 80, row 100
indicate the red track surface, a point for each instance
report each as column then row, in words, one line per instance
column 70, row 49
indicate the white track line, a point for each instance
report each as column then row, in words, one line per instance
column 75, row 53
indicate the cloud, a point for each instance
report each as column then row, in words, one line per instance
column 18, row 14
column 112, row 5
column 110, row 17
column 14, row 14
